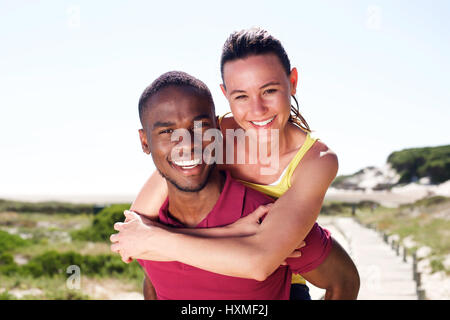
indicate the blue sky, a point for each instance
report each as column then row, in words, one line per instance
column 374, row 78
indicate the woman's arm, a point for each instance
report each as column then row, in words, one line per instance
column 255, row 256
column 284, row 228
column 153, row 194
column 151, row 197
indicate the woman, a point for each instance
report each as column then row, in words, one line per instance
column 258, row 83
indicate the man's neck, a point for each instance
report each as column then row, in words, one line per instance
column 190, row 208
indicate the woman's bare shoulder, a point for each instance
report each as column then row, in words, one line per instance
column 320, row 162
column 228, row 123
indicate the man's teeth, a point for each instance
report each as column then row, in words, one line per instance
column 262, row 123
column 187, row 164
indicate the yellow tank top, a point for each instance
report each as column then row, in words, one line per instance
column 284, row 183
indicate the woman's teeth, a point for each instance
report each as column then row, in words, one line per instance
column 187, row 164
column 263, row 123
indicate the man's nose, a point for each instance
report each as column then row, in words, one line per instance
column 185, row 148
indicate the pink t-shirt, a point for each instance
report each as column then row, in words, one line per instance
column 178, row 281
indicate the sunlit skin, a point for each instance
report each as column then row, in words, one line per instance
column 257, row 89
column 172, row 109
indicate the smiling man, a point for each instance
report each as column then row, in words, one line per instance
column 174, row 109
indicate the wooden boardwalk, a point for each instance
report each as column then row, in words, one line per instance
column 383, row 274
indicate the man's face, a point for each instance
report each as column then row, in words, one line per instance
column 174, row 110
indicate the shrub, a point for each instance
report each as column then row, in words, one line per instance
column 11, row 241
column 103, row 225
column 433, row 162
column 7, row 264
column 51, row 207
column 5, row 295
column 53, row 263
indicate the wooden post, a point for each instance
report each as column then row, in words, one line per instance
column 397, row 248
column 421, row 294
column 414, row 265
column 418, row 280
column 404, row 254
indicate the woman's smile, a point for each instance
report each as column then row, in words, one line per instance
column 263, row 124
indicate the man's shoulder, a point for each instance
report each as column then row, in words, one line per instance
column 252, row 198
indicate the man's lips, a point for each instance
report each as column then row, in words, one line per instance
column 188, row 167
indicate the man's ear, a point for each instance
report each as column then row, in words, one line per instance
column 224, row 90
column 144, row 143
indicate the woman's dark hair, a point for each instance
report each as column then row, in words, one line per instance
column 256, row 41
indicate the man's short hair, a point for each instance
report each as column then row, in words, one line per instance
column 177, row 79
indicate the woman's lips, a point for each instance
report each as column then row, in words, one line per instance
column 264, row 123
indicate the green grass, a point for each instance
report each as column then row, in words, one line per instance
column 47, row 207
column 419, row 221
column 49, row 249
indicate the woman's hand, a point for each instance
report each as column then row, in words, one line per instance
column 295, row 254
column 136, row 238
column 250, row 224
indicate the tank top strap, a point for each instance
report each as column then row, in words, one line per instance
column 309, row 141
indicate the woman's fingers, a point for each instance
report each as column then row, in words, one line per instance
column 114, row 237
column 301, row 245
column 260, row 212
column 294, row 254
column 118, row 226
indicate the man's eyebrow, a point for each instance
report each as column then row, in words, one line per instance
column 271, row 83
column 202, row 116
column 159, row 124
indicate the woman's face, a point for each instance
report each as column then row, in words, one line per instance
column 259, row 91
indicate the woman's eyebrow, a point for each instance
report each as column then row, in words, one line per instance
column 271, row 83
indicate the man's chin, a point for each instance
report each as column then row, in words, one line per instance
column 190, row 188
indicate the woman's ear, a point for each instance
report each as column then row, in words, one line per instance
column 293, row 80
column 144, row 143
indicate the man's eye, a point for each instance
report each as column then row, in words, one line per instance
column 166, row 131
column 240, row 97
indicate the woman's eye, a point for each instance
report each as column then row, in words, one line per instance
column 240, row 97
column 269, row 91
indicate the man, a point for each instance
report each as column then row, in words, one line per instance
column 201, row 196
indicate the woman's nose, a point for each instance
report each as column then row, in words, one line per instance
column 258, row 107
